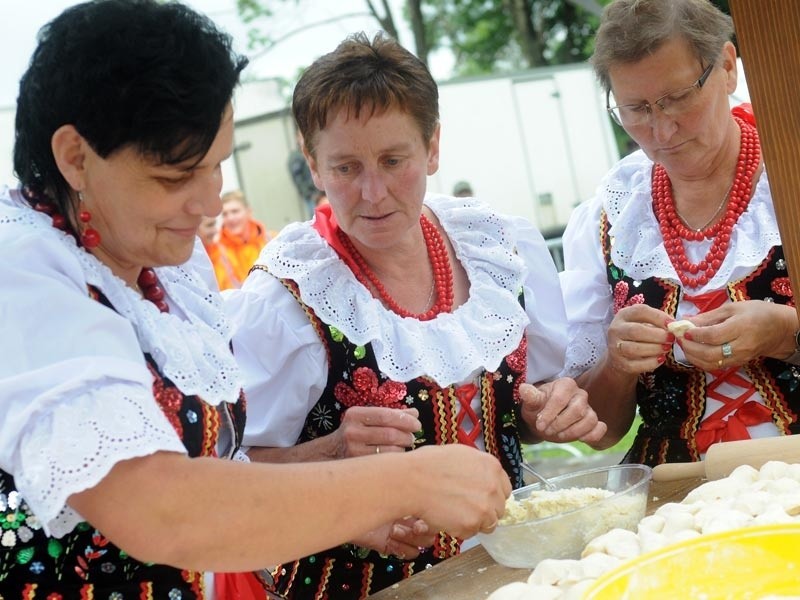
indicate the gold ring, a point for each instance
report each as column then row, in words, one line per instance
column 378, row 448
column 619, row 345
column 719, row 362
column 491, row 527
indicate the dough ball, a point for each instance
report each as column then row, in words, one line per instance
column 597, row 564
column 793, row 471
column 578, row 591
column 686, row 534
column 781, row 486
column 545, row 592
column 653, row 523
column 678, row 328
column 774, row 514
column 745, row 474
column 715, row 521
column 514, row 591
column 790, row 503
column 714, row 491
column 773, row 469
column 556, row 571
column 650, row 540
column 678, row 521
column 619, row 543
column 752, row 502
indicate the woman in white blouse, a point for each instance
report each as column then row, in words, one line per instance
column 120, row 405
column 391, row 303
column 683, row 229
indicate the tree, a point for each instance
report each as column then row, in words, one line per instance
column 253, row 11
column 484, row 36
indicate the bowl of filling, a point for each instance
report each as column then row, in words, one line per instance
column 541, row 523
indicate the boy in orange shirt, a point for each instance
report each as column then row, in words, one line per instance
column 226, row 267
column 241, row 234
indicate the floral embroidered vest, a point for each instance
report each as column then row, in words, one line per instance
column 672, row 398
column 350, row 572
column 84, row 564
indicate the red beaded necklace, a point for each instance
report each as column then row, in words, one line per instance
column 148, row 283
column 442, row 273
column 674, row 231
column 147, row 280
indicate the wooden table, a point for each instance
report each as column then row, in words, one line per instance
column 474, row 575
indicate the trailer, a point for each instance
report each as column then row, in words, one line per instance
column 533, row 144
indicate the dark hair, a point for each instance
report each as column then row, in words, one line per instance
column 365, row 75
column 126, row 73
column 631, row 29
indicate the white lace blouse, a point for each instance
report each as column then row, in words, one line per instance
column 284, row 362
column 75, row 392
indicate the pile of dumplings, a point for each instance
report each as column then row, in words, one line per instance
column 747, row 497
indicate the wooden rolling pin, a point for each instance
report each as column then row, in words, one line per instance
column 722, row 458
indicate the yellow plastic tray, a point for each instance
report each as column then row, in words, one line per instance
column 742, row 564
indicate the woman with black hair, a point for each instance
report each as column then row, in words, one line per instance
column 120, row 405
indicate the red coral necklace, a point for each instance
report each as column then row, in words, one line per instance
column 440, row 263
column 147, row 281
column 675, row 232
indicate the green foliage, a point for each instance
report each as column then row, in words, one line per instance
column 485, row 36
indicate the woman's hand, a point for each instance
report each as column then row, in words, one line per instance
column 559, row 411
column 638, row 340
column 459, row 489
column 742, row 330
column 404, row 538
column 375, row 429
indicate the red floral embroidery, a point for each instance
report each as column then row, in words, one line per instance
column 620, row 293
column 518, row 359
column 366, row 391
column 169, row 399
column 782, row 286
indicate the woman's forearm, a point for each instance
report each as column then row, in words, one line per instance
column 612, row 395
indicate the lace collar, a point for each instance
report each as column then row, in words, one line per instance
column 449, row 348
column 194, row 353
column 638, row 247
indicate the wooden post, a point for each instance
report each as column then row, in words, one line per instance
column 768, row 32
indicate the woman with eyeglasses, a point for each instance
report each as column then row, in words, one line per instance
column 676, row 287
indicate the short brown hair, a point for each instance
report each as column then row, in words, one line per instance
column 365, row 75
column 632, row 29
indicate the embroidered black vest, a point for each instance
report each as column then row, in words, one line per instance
column 349, row 572
column 672, row 398
column 84, row 563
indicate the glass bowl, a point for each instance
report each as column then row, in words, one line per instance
column 565, row 535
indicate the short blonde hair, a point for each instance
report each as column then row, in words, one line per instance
column 234, row 195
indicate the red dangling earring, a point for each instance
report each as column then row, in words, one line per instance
column 90, row 238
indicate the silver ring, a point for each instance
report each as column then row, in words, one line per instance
column 727, row 351
column 377, row 449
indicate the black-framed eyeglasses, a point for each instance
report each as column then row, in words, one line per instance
column 672, row 104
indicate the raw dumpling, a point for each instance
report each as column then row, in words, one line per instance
column 678, row 328
column 514, row 591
